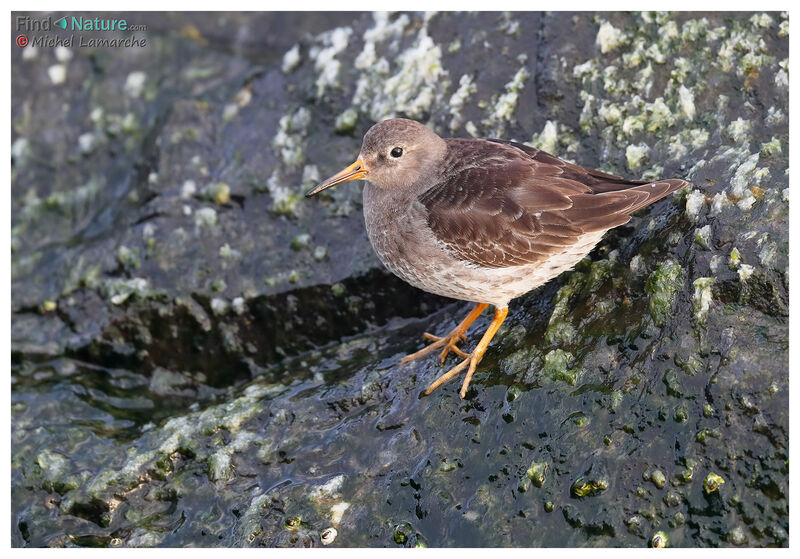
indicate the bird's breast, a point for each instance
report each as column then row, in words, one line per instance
column 396, row 231
column 399, row 233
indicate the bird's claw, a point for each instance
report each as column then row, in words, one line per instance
column 448, row 342
column 471, row 360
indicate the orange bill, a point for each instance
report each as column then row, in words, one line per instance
column 353, row 172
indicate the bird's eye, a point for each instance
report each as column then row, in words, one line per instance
column 397, row 152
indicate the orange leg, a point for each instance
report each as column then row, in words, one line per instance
column 473, row 358
column 450, row 340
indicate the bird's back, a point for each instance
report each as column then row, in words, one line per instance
column 501, row 204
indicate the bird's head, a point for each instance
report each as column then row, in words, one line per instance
column 395, row 154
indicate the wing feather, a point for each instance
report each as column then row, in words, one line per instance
column 503, row 204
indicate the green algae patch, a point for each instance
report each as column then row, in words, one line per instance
column 206, row 218
column 300, row 242
column 119, row 290
column 599, row 272
column 129, row 258
column 338, row 289
column 636, row 155
column 220, row 467
column 702, row 298
column 346, row 121
column 712, row 483
column 285, row 203
column 773, row 147
column 560, row 328
column 561, row 331
column 663, row 285
column 735, row 259
column 556, row 366
column 702, row 237
column 672, row 499
column 55, row 470
column 218, row 192
column 536, row 473
column 404, row 534
column 658, row 478
column 588, row 487
column 737, row 536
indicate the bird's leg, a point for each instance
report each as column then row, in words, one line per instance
column 473, row 358
column 450, row 340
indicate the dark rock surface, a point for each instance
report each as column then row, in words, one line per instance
column 201, row 357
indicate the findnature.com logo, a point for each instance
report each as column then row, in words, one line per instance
column 81, row 25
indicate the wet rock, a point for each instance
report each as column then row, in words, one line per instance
column 166, row 301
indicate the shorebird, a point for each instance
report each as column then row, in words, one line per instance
column 481, row 220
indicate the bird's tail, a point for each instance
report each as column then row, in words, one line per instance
column 612, row 203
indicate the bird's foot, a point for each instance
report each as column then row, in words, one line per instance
column 470, row 361
column 450, row 341
column 473, row 358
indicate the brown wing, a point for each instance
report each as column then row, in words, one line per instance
column 504, row 204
